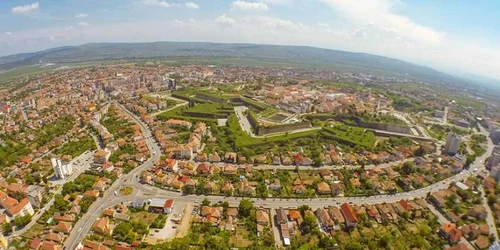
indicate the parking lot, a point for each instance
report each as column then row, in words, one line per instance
column 171, row 228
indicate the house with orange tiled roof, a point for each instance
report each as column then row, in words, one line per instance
column 92, row 245
column 54, row 237
column 20, row 209
column 91, row 193
column 48, row 245
column 100, row 185
column 178, row 123
column 64, row 227
column 102, row 226
column 450, row 232
column 323, row 188
column 351, row 219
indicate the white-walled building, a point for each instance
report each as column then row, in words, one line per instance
column 61, row 169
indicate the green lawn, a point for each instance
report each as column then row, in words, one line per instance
column 126, row 191
column 34, row 231
column 76, row 148
column 144, row 216
column 351, row 135
column 242, row 139
column 23, row 71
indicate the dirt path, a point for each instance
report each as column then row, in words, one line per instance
column 183, row 228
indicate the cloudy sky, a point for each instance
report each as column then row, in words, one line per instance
column 459, row 36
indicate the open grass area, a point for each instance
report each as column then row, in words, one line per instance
column 76, row 148
column 177, row 114
column 240, row 239
column 210, row 109
column 126, row 191
column 351, row 135
column 440, row 132
column 242, row 139
column 34, row 231
column 23, row 71
column 143, row 216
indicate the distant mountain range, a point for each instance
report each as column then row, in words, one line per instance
column 288, row 55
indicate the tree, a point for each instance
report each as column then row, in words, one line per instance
column 7, row 228
column 22, row 221
column 60, row 204
column 408, row 168
column 30, row 179
column 122, row 231
column 309, row 223
column 188, row 189
column 245, row 208
column 159, row 222
column 420, row 151
column 205, row 202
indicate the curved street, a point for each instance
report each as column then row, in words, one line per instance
column 144, row 192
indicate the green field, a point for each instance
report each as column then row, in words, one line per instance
column 210, row 108
column 24, row 71
column 351, row 135
column 242, row 139
column 76, row 148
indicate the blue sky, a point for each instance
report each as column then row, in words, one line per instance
column 459, row 36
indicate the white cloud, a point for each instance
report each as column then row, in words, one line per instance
column 178, row 23
column 8, row 33
column 82, row 15
column 192, row 5
column 225, row 20
column 379, row 14
column 344, row 34
column 243, row 5
column 83, row 24
column 278, row 2
column 69, row 28
column 157, row 3
column 24, row 9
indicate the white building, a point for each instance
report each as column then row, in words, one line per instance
column 61, row 169
column 452, row 143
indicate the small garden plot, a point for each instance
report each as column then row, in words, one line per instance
column 241, row 238
column 145, row 217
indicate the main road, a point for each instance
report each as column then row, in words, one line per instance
column 144, row 192
column 81, row 163
column 83, row 225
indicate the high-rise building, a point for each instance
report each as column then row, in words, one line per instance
column 61, row 169
column 452, row 143
column 495, row 135
column 495, row 173
column 494, row 158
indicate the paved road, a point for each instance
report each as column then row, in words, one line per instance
column 143, row 192
column 445, row 116
column 443, row 220
column 79, row 169
column 83, row 225
column 489, row 218
column 244, row 123
column 330, row 167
